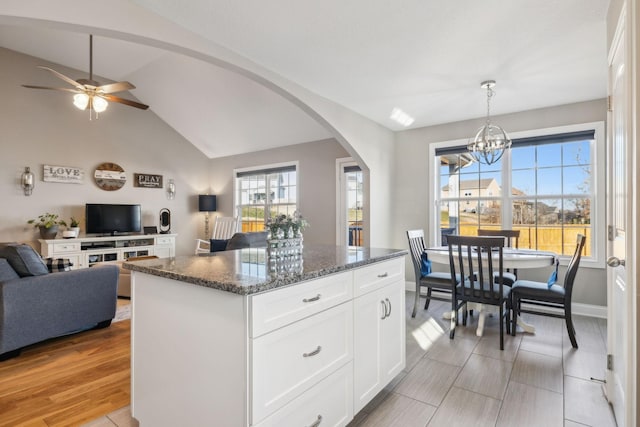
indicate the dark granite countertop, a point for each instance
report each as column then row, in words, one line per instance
column 249, row 271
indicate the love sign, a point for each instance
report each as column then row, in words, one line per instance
column 64, row 174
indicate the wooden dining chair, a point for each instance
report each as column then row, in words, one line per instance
column 430, row 280
column 511, row 238
column 549, row 294
column 483, row 256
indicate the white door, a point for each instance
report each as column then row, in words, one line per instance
column 619, row 295
column 349, row 203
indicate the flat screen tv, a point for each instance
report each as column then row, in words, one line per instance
column 112, row 219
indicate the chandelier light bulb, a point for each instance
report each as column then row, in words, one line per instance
column 99, row 104
column 81, row 101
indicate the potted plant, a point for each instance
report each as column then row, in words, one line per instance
column 48, row 225
column 73, row 229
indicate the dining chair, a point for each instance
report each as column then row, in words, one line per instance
column 431, row 280
column 482, row 255
column 511, row 241
column 549, row 294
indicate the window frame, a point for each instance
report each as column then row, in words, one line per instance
column 598, row 223
column 272, row 167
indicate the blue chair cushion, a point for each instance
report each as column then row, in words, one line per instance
column 553, row 277
column 486, row 287
column 217, row 245
column 425, row 265
column 529, row 288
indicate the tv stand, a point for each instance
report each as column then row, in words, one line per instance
column 83, row 252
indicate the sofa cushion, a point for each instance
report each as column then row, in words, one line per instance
column 58, row 264
column 6, row 272
column 24, row 260
column 217, row 245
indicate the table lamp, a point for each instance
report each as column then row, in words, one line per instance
column 206, row 204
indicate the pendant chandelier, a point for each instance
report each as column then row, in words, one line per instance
column 491, row 140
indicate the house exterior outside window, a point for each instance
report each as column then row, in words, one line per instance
column 264, row 192
column 546, row 186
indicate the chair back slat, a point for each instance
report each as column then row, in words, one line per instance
column 224, row 227
column 416, row 247
column 511, row 236
column 473, row 258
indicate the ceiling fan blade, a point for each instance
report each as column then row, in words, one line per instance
column 124, row 101
column 63, row 77
column 66, row 89
column 115, row 87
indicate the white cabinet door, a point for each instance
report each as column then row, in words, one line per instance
column 379, row 341
column 367, row 322
column 392, row 352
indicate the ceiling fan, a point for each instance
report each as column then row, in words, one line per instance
column 89, row 94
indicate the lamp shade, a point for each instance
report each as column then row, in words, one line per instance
column 206, row 203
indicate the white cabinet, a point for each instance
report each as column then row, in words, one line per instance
column 86, row 251
column 308, row 354
column 379, row 340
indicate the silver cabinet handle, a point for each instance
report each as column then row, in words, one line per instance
column 313, row 353
column 383, row 275
column 388, row 302
column 316, row 298
column 613, row 261
column 384, row 310
column 317, row 422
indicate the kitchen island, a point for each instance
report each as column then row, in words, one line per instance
column 242, row 339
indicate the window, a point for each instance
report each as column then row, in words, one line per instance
column 545, row 186
column 265, row 192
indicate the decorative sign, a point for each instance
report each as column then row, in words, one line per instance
column 64, row 174
column 147, row 180
column 109, row 176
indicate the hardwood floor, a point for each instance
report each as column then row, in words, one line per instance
column 68, row 381
column 538, row 380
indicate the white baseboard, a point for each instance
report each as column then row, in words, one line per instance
column 580, row 309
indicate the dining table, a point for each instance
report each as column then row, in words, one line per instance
column 512, row 259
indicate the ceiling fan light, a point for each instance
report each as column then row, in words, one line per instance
column 99, row 104
column 81, row 101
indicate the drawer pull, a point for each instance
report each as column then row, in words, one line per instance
column 316, row 298
column 317, row 422
column 313, row 353
column 384, row 310
column 382, row 276
column 388, row 302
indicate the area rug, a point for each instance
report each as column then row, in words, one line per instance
column 123, row 312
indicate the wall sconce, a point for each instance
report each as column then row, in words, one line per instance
column 207, row 203
column 171, row 190
column 27, row 181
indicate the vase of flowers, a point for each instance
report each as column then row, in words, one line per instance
column 285, row 235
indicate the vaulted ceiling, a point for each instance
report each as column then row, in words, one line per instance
column 425, row 57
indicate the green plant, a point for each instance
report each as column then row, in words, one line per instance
column 74, row 222
column 47, row 220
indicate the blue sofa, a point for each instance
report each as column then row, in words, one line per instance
column 36, row 305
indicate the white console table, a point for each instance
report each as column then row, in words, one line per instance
column 83, row 252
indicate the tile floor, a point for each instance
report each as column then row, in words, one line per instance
column 538, row 380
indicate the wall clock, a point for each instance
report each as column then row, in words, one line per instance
column 109, row 176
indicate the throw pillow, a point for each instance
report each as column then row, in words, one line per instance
column 6, row 272
column 217, row 245
column 425, row 264
column 58, row 264
column 24, row 260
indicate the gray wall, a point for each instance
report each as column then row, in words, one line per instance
column 412, row 176
column 316, row 177
column 42, row 127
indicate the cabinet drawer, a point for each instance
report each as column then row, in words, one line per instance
column 292, row 359
column 59, row 248
column 272, row 310
column 329, row 402
column 164, row 240
column 377, row 275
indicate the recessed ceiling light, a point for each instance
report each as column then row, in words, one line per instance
column 401, row 117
